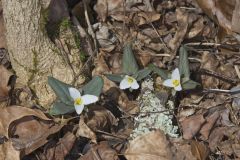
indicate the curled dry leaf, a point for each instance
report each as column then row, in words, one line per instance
column 199, row 150
column 85, row 131
column 207, row 127
column 100, row 151
column 185, row 21
column 220, row 135
column 8, row 152
column 30, row 133
column 192, row 125
column 4, row 79
column 153, row 145
column 61, row 149
column 99, row 118
column 12, row 113
column 28, row 129
column 224, row 12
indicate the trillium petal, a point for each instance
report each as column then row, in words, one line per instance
column 168, row 83
column 88, row 99
column 176, row 74
column 79, row 108
column 74, row 93
column 124, row 83
column 135, row 85
column 178, row 88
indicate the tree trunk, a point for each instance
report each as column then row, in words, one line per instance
column 33, row 55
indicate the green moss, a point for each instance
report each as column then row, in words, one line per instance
column 65, row 24
column 44, row 19
column 34, row 70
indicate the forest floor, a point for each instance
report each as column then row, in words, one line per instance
column 165, row 75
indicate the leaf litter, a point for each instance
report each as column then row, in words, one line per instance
column 146, row 40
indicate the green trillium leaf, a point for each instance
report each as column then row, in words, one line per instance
column 183, row 63
column 115, row 77
column 60, row 89
column 129, row 63
column 189, row 84
column 94, row 87
column 142, row 74
column 162, row 73
column 60, row 108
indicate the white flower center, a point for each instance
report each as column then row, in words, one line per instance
column 175, row 82
column 130, row 80
column 78, row 101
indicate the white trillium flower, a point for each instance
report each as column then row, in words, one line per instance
column 129, row 82
column 80, row 101
column 174, row 81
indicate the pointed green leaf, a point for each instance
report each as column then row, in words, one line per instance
column 162, row 73
column 235, row 90
column 114, row 77
column 142, row 74
column 60, row 89
column 60, row 108
column 190, row 84
column 94, row 87
column 183, row 63
column 129, row 64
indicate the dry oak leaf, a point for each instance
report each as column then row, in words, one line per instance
column 191, row 125
column 61, row 149
column 12, row 113
column 151, row 146
column 8, row 152
column 207, row 127
column 99, row 118
column 101, row 151
column 85, row 131
column 199, row 150
column 225, row 12
column 4, row 79
column 30, row 133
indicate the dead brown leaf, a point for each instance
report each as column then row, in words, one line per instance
column 85, row 131
column 207, row 127
column 153, row 145
column 185, row 21
column 100, row 151
column 99, row 118
column 4, row 79
column 199, row 150
column 192, row 125
column 182, row 150
column 61, row 149
column 30, row 133
column 8, row 152
column 224, row 12
column 12, row 113
column 221, row 134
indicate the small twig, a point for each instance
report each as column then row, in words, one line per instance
column 161, row 40
column 203, row 44
column 188, row 8
column 109, row 134
column 237, row 71
column 192, row 58
column 216, row 91
column 64, row 54
column 218, row 75
column 90, row 27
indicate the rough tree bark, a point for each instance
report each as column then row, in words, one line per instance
column 33, row 55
